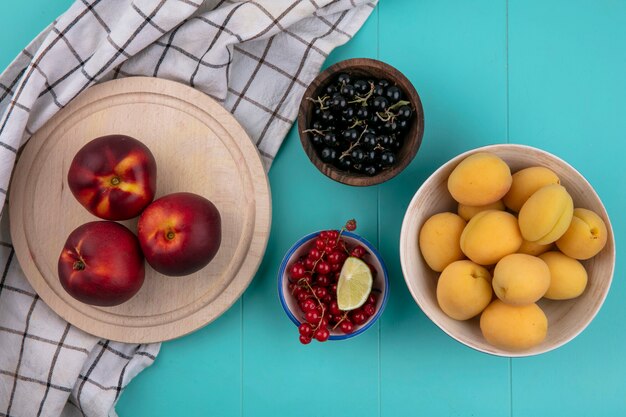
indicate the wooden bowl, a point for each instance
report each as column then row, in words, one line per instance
column 566, row 319
column 375, row 69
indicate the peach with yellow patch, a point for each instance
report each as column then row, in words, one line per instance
column 114, row 177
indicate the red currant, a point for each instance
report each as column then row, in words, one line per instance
column 371, row 299
column 336, row 318
column 321, row 292
column 335, row 267
column 312, row 316
column 334, row 257
column 333, row 288
column 305, row 340
column 346, row 326
column 358, row 251
column 303, row 295
column 322, row 268
column 309, row 305
column 334, row 308
column 309, row 264
column 369, row 310
column 324, row 234
column 327, row 299
column 305, row 330
column 358, row 317
column 320, row 244
column 323, row 280
column 314, row 254
column 297, row 270
column 322, row 334
column 351, row 225
column 333, row 234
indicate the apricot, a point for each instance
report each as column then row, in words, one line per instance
column 464, row 289
column 513, row 327
column 546, row 215
column 439, row 240
column 525, row 183
column 489, row 236
column 481, row 178
column 585, row 237
column 520, row 279
column 568, row 277
column 467, row 212
column 534, row 248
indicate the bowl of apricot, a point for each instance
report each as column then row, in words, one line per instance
column 508, row 249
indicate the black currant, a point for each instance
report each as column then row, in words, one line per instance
column 390, row 126
column 362, row 113
column 330, row 139
column 338, row 102
column 348, row 113
column 368, row 140
column 402, row 125
column 393, row 93
column 361, row 87
column 343, row 79
column 388, row 158
column 370, row 170
column 317, row 125
column 328, row 117
column 328, row 155
column 372, row 156
column 317, row 140
column 331, row 89
column 380, row 103
column 347, row 91
column 345, row 163
column 350, row 135
column 357, row 155
column 384, row 83
column 379, row 90
column 404, row 113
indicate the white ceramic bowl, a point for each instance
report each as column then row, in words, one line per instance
column 566, row 319
column 300, row 248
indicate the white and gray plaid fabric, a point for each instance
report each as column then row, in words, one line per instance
column 255, row 57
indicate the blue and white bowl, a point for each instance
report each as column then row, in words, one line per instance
column 300, row 248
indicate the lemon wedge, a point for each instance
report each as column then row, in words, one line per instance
column 354, row 285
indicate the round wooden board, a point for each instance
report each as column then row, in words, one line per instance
column 199, row 147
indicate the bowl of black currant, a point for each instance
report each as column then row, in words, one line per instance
column 361, row 122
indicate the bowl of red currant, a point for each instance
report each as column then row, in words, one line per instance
column 332, row 284
column 361, row 122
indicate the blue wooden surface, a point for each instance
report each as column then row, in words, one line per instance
column 547, row 74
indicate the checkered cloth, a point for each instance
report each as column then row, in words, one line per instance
column 255, row 57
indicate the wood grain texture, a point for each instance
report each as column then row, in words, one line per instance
column 566, row 319
column 199, row 147
column 363, row 67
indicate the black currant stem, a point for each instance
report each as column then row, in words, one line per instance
column 389, row 111
column 357, row 122
column 319, row 132
column 398, row 104
column 353, row 145
column 363, row 99
column 320, row 100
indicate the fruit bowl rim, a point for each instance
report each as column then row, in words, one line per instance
column 372, row 250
